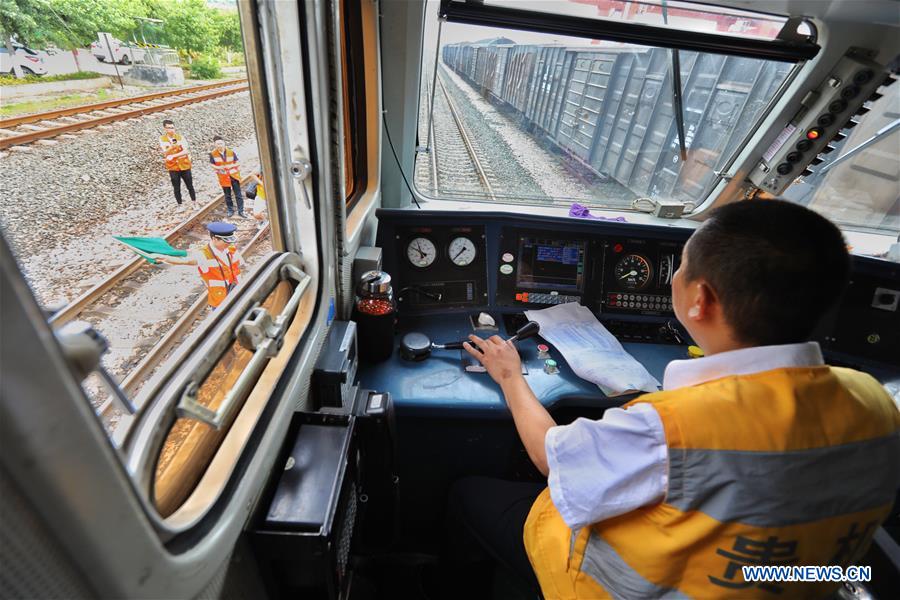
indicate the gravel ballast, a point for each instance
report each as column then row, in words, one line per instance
column 62, row 203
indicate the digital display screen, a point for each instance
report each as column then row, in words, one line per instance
column 550, row 264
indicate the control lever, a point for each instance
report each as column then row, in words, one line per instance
column 418, row 346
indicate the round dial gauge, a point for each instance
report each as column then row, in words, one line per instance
column 462, row 251
column 421, row 252
column 632, row 272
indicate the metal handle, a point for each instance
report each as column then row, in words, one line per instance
column 257, row 332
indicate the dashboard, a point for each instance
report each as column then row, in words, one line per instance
column 446, row 263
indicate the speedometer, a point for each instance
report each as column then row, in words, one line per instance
column 633, row 272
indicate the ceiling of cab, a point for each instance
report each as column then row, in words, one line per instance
column 884, row 12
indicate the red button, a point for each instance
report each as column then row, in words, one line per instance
column 543, row 348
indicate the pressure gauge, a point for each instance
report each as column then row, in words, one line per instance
column 462, row 251
column 421, row 252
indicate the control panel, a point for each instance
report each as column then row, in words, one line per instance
column 622, row 272
column 543, row 268
column 638, row 275
column 826, row 111
column 441, row 266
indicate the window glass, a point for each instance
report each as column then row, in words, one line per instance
column 532, row 118
column 85, row 207
column 858, row 184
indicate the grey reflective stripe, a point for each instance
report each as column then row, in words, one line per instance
column 572, row 540
column 771, row 489
column 608, row 569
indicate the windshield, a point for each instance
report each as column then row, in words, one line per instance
column 533, row 118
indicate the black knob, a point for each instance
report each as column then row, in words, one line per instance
column 825, row 120
column 838, row 106
column 849, row 92
column 861, row 77
column 793, row 157
column 529, row 329
column 784, row 168
column 804, row 145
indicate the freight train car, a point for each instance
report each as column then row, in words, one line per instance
column 611, row 109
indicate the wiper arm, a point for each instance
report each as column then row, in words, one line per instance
column 677, row 105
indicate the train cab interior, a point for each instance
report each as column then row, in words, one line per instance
column 436, row 169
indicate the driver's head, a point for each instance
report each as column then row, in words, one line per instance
column 761, row 272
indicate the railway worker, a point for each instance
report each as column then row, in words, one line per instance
column 757, row 454
column 257, row 192
column 178, row 160
column 227, row 166
column 218, row 262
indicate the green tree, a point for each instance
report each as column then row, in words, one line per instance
column 189, row 24
column 228, row 28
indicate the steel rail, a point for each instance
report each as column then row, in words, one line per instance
column 157, row 353
column 470, row 148
column 79, row 304
column 33, row 136
column 88, row 108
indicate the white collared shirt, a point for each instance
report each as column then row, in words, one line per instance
column 604, row 468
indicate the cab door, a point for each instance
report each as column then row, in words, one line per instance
column 156, row 507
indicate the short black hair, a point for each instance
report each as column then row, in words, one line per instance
column 218, row 137
column 775, row 266
column 168, row 122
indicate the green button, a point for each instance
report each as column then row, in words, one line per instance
column 550, row 362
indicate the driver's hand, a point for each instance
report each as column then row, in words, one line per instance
column 499, row 357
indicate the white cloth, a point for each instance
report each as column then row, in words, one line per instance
column 259, row 205
column 605, row 468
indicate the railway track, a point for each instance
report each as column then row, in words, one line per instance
column 458, row 159
column 27, row 129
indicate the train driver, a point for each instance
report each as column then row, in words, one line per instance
column 756, row 454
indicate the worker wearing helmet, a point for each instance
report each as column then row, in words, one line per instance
column 218, row 262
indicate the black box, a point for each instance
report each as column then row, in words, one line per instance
column 303, row 536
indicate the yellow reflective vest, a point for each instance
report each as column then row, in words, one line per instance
column 793, row 466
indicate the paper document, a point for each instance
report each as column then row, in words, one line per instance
column 591, row 350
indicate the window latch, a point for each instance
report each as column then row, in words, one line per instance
column 82, row 346
column 259, row 332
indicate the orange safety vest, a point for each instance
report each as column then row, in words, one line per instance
column 172, row 145
column 229, row 163
column 219, row 277
column 788, row 467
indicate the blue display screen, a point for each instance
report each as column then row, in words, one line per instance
column 549, row 264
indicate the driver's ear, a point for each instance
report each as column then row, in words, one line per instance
column 705, row 301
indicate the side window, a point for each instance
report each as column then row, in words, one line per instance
column 359, row 86
column 136, row 203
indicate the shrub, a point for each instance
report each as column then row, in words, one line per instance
column 11, row 79
column 205, row 67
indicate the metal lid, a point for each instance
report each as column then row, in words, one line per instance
column 374, row 282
